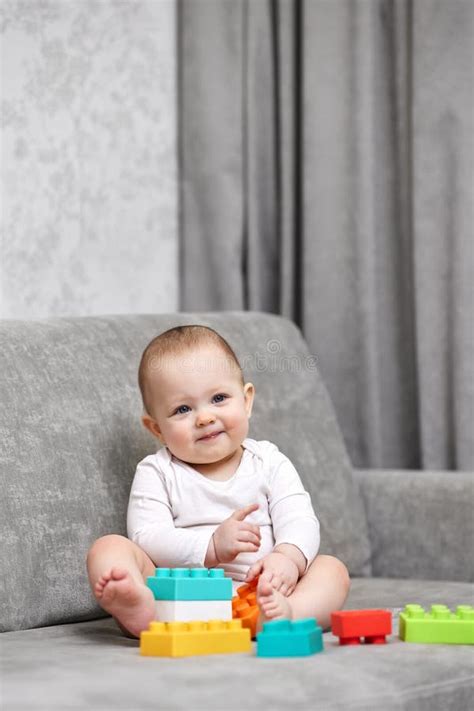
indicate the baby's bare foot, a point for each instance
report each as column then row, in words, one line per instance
column 130, row 602
column 273, row 604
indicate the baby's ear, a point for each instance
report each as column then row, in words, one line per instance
column 249, row 394
column 152, row 426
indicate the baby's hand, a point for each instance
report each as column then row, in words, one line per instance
column 280, row 571
column 235, row 536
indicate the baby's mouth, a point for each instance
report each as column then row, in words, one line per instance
column 210, row 436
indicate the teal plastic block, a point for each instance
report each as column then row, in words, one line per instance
column 439, row 626
column 290, row 638
column 190, row 584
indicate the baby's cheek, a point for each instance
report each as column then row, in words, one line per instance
column 178, row 435
column 240, row 428
column 236, row 420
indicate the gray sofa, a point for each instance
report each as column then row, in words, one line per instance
column 70, row 439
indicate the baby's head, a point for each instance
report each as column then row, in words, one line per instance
column 194, row 395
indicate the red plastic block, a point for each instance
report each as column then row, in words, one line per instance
column 245, row 608
column 351, row 625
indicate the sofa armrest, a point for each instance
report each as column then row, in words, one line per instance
column 421, row 523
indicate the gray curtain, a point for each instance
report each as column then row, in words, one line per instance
column 326, row 157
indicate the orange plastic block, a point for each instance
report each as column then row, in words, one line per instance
column 245, row 608
column 351, row 625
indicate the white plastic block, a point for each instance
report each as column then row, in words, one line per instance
column 188, row 610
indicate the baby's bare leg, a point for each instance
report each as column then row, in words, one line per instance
column 117, row 570
column 322, row 590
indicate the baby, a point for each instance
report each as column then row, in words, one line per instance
column 211, row 496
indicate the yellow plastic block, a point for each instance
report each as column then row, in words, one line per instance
column 185, row 639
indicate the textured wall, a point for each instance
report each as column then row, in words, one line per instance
column 88, row 164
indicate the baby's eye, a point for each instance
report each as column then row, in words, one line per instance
column 220, row 397
column 181, row 410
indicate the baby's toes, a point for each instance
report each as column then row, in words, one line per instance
column 270, row 611
column 102, row 581
column 269, row 602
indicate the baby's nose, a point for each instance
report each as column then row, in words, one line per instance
column 204, row 418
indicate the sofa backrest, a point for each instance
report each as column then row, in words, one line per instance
column 71, row 437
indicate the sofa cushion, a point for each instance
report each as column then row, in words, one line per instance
column 421, row 523
column 71, row 438
column 92, row 666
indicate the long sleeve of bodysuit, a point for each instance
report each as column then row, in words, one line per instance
column 291, row 511
column 150, row 523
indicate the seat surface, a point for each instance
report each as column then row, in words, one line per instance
column 91, row 665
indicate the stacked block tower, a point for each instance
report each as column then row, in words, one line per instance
column 193, row 615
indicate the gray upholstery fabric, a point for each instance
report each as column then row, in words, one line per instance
column 421, row 524
column 92, row 666
column 71, row 438
column 331, row 143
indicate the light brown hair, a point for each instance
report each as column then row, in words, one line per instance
column 176, row 341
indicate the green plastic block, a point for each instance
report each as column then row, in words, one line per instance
column 190, row 584
column 439, row 626
column 287, row 638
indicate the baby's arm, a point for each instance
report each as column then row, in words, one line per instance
column 295, row 527
column 151, row 526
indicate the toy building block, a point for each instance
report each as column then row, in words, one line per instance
column 188, row 610
column 184, row 639
column 190, row 584
column 351, row 625
column 439, row 626
column 245, row 608
column 290, row 638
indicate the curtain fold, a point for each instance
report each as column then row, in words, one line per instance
column 211, row 106
column 326, row 166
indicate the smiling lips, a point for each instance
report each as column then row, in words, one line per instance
column 210, row 436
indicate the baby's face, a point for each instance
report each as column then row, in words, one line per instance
column 201, row 408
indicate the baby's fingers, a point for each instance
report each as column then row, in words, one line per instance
column 277, row 582
column 246, row 547
column 254, row 570
column 248, row 537
column 250, row 527
column 267, row 575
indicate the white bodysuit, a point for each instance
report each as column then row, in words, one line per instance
column 173, row 510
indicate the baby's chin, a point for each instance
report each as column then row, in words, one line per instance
column 203, row 459
column 209, row 457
